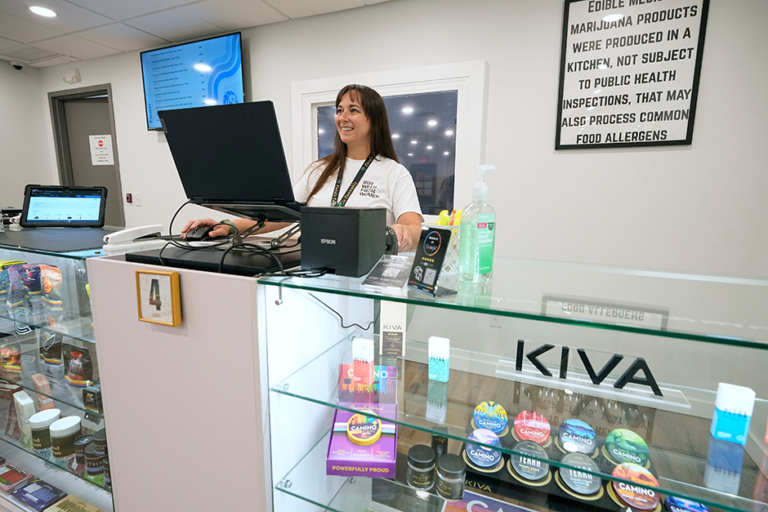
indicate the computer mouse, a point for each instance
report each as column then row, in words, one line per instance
column 199, row 233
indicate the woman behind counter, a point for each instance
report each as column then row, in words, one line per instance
column 363, row 145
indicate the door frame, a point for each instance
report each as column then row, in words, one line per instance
column 56, row 100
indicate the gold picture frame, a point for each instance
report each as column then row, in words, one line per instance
column 159, row 297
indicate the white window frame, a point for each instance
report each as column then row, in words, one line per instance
column 469, row 78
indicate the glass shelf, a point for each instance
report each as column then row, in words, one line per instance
column 684, row 457
column 48, row 459
column 79, row 328
column 61, row 393
column 668, row 304
column 8, row 239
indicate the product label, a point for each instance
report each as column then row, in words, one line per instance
column 486, row 234
column 9, row 475
column 63, row 447
column 420, row 479
column 41, row 439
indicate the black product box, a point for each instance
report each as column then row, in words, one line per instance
column 346, row 241
column 92, row 399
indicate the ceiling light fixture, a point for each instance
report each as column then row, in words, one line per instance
column 410, row 154
column 395, row 135
column 414, row 142
column 429, row 147
column 321, row 131
column 446, row 153
column 432, row 122
column 42, row 11
column 408, row 110
column 203, row 68
column 449, row 132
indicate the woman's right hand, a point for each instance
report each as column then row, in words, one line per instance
column 221, row 230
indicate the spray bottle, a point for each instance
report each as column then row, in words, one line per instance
column 477, row 234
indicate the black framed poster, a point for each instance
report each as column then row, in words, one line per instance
column 629, row 72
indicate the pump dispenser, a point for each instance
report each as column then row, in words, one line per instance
column 477, row 234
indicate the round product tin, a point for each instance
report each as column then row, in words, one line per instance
column 673, row 504
column 638, row 498
column 491, row 416
column 482, row 456
column 576, row 436
column 524, row 466
column 623, row 445
column 532, row 426
column 580, row 482
column 363, row 430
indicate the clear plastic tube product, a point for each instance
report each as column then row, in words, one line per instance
column 362, row 367
column 439, row 358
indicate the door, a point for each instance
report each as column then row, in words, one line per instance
column 84, row 118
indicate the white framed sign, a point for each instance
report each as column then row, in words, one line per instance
column 101, row 150
column 629, row 72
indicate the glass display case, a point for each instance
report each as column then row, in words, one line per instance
column 50, row 397
column 570, row 387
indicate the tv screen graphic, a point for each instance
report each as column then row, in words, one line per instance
column 197, row 74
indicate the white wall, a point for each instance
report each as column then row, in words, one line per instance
column 23, row 134
column 697, row 208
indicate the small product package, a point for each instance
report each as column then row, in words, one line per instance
column 10, row 355
column 384, row 385
column 50, row 349
column 11, row 477
column 34, row 285
column 25, row 409
column 6, row 324
column 73, row 504
column 77, row 365
column 92, row 398
column 733, row 413
column 44, row 400
column 53, row 306
column 38, row 495
column 362, row 445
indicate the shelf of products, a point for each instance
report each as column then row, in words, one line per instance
column 641, row 301
column 672, row 439
column 48, row 363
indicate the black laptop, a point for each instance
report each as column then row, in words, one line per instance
column 230, row 158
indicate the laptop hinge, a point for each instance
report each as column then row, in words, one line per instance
column 197, row 199
column 279, row 201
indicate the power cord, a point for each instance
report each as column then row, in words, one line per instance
column 341, row 319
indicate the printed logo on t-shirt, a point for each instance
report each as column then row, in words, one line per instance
column 368, row 188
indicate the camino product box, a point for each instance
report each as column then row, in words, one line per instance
column 376, row 460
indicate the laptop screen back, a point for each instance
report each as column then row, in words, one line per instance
column 229, row 153
column 62, row 206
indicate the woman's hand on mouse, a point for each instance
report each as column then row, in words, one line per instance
column 221, row 230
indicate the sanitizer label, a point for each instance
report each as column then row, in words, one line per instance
column 486, row 225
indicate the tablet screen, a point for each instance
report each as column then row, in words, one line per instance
column 49, row 206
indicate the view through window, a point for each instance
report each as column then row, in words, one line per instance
column 424, row 134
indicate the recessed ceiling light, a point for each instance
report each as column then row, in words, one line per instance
column 449, row 132
column 429, row 147
column 210, row 101
column 410, row 154
column 432, row 122
column 203, row 68
column 612, row 17
column 395, row 135
column 408, row 110
column 320, row 130
column 414, row 142
column 42, row 11
column 446, row 153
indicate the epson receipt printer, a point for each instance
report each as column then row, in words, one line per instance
column 347, row 241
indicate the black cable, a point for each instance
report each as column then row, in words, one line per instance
column 174, row 241
column 170, row 228
column 341, row 319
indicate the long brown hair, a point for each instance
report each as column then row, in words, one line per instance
column 381, row 139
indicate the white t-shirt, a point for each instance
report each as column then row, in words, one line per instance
column 386, row 184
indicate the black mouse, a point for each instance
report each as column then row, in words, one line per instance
column 199, row 233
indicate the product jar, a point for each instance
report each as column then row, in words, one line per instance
column 421, row 467
column 39, row 425
column 94, row 465
column 80, row 445
column 451, row 473
column 107, row 474
column 100, row 441
column 64, row 433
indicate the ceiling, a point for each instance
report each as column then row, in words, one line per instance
column 86, row 29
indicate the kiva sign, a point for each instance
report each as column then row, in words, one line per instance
column 629, row 376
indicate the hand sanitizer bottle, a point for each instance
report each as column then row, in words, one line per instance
column 477, row 233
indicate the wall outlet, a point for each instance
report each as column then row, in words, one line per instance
column 495, row 321
column 137, row 199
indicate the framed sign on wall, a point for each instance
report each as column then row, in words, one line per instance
column 629, row 72
column 159, row 297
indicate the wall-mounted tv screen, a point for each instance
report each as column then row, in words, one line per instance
column 206, row 72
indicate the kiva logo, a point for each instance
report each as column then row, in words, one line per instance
column 630, row 375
